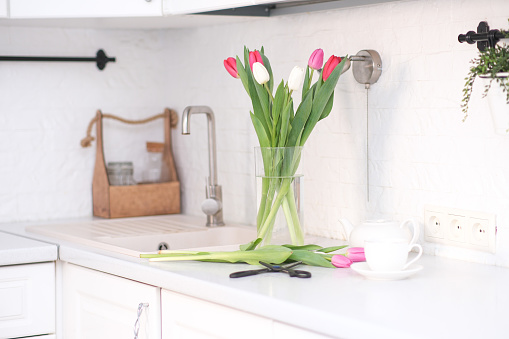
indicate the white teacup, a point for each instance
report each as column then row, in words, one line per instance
column 389, row 255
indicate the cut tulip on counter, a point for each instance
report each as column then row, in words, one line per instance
column 312, row 255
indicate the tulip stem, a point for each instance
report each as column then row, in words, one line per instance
column 268, row 91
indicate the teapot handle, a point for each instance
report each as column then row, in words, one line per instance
column 415, row 229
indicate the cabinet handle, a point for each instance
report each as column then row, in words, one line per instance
column 141, row 306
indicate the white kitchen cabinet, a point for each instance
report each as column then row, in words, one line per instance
column 261, row 2
column 198, row 6
column 27, row 300
column 103, row 306
column 83, row 8
column 286, row 331
column 185, row 317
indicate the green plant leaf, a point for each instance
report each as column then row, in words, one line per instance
column 306, row 83
column 257, row 109
column 322, row 96
column 331, row 249
column 266, row 63
column 279, row 101
column 285, row 124
column 310, row 247
column 300, row 118
column 242, row 75
column 270, row 254
column 263, row 138
column 251, row 245
column 310, row 258
column 328, row 107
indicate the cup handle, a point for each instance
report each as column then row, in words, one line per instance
column 415, row 229
column 417, row 257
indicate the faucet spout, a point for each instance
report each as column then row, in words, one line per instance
column 186, row 129
column 213, row 205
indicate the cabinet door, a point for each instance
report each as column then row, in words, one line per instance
column 185, row 317
column 97, row 305
column 27, row 300
column 197, row 6
column 84, row 8
column 287, row 331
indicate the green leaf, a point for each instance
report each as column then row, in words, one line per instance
column 243, row 75
column 257, row 109
column 322, row 96
column 306, row 83
column 270, row 254
column 301, row 116
column 247, row 67
column 310, row 258
column 266, row 63
column 279, row 101
column 285, row 124
column 251, row 245
column 263, row 97
column 263, row 138
column 309, row 247
column 331, row 249
column 328, row 107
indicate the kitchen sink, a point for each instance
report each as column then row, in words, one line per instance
column 133, row 236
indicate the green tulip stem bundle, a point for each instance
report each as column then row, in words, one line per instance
column 278, row 125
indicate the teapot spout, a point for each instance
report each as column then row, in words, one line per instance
column 347, row 228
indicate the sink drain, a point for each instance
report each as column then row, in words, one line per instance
column 163, row 246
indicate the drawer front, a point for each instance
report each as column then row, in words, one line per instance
column 27, row 300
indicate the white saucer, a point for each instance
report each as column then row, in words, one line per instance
column 363, row 269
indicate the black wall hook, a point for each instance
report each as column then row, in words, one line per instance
column 101, row 59
column 484, row 37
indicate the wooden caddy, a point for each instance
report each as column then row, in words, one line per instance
column 136, row 200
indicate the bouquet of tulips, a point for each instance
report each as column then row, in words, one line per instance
column 277, row 124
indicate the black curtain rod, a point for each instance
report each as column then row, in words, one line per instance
column 101, row 59
column 484, row 37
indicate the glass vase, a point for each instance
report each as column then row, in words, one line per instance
column 279, row 195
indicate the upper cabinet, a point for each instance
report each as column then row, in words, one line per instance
column 199, row 6
column 82, row 8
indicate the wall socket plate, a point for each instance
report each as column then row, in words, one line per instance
column 462, row 228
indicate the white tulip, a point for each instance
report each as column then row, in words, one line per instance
column 296, row 78
column 260, row 73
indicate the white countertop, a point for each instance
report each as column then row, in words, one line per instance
column 447, row 299
column 16, row 250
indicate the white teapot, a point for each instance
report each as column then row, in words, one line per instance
column 380, row 229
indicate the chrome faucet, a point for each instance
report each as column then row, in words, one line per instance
column 212, row 206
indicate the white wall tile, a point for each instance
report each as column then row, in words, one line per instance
column 420, row 151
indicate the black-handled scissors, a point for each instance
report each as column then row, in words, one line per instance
column 274, row 268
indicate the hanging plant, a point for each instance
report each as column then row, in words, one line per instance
column 492, row 63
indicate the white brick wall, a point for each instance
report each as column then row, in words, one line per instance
column 420, row 151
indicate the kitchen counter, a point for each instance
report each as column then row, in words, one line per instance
column 15, row 250
column 447, row 299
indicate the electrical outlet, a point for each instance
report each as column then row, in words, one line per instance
column 469, row 229
column 433, row 224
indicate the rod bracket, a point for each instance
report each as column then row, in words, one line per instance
column 484, row 37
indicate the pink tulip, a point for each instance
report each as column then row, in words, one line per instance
column 356, row 254
column 329, row 66
column 231, row 66
column 341, row 261
column 254, row 57
column 316, row 59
